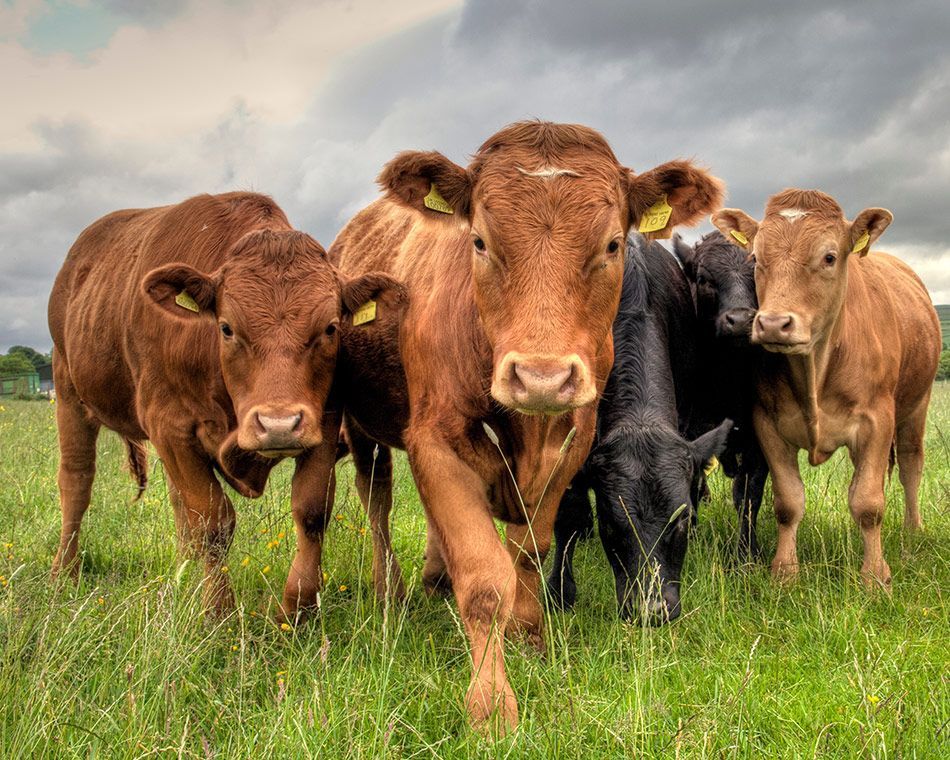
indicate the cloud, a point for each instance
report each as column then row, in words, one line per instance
column 307, row 101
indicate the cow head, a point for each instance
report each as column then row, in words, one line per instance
column 276, row 304
column 724, row 276
column 547, row 207
column 648, row 472
column 801, row 250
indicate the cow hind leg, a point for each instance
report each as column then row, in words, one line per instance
column 374, row 483
column 866, row 501
column 910, row 462
column 78, row 432
column 747, row 489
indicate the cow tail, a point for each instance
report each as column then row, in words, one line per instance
column 138, row 464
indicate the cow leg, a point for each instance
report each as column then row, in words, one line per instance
column 208, row 513
column 528, row 547
column 574, row 522
column 311, row 497
column 866, row 499
column 374, row 483
column 182, row 531
column 747, row 489
column 789, row 493
column 435, row 575
column 77, row 468
column 482, row 574
column 910, row 461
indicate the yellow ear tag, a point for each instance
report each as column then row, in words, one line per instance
column 861, row 242
column 739, row 236
column 436, row 202
column 656, row 217
column 366, row 313
column 710, row 468
column 185, row 300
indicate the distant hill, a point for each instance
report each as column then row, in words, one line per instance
column 943, row 312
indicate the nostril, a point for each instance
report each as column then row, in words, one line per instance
column 731, row 320
column 787, row 324
column 297, row 422
column 258, row 424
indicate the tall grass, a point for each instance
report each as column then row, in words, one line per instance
column 124, row 665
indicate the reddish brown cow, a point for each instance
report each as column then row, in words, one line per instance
column 855, row 341
column 513, row 267
column 209, row 328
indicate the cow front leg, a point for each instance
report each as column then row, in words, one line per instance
column 747, row 489
column 574, row 522
column 311, row 498
column 866, row 498
column 789, row 493
column 374, row 483
column 483, row 576
column 77, row 469
column 207, row 512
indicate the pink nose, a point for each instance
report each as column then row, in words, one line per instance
column 278, row 428
column 770, row 327
column 541, row 384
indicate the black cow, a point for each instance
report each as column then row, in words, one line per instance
column 724, row 286
column 644, row 473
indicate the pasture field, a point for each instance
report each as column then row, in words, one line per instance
column 124, row 664
column 943, row 312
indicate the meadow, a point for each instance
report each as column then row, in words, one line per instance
column 124, row 664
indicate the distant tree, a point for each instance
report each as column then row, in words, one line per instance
column 35, row 357
column 15, row 364
column 943, row 369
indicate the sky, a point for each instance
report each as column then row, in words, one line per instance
column 110, row 104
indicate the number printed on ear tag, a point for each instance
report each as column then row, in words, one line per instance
column 861, row 242
column 656, row 217
column 366, row 313
column 436, row 202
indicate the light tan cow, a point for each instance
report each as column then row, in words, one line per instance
column 855, row 342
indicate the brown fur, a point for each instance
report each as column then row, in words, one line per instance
column 128, row 357
column 541, row 296
column 858, row 342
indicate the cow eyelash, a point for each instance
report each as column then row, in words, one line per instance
column 479, row 245
column 830, row 259
column 613, row 246
column 226, row 330
column 330, row 329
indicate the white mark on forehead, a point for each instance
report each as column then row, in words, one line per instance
column 792, row 214
column 547, row 172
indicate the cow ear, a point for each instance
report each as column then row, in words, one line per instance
column 181, row 291
column 373, row 286
column 736, row 226
column 867, row 228
column 671, row 194
column 428, row 182
column 686, row 254
column 710, row 444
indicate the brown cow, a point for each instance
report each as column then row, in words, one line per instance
column 210, row 328
column 513, row 267
column 855, row 341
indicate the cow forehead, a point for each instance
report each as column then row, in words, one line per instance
column 795, row 234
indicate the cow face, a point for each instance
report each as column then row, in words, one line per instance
column 801, row 250
column 724, row 276
column 546, row 208
column 276, row 304
column 648, row 476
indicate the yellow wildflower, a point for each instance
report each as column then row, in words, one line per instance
column 281, row 535
column 265, row 569
column 285, row 626
column 245, row 562
column 101, row 601
column 873, row 699
column 225, row 569
column 234, row 647
column 342, row 587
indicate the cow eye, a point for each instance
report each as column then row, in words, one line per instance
column 330, row 329
column 479, row 245
column 701, row 279
column 226, row 330
column 830, row 259
column 613, row 246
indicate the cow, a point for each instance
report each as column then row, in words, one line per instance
column 853, row 344
column 513, row 268
column 210, row 328
column 722, row 276
column 642, row 470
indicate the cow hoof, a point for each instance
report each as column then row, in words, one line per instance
column 784, row 573
column 493, row 715
column 530, row 634
column 389, row 587
column 878, row 577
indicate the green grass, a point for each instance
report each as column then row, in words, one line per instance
column 944, row 313
column 124, row 665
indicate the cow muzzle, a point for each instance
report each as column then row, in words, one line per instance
column 542, row 384
column 782, row 332
column 735, row 323
column 278, row 431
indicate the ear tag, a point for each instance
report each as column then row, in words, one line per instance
column 861, row 242
column 739, row 236
column 436, row 202
column 366, row 313
column 656, row 217
column 185, row 300
column 710, row 468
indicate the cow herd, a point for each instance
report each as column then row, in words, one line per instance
column 513, row 326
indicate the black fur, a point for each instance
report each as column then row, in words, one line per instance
column 724, row 285
column 644, row 473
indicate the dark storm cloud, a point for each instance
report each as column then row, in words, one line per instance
column 853, row 98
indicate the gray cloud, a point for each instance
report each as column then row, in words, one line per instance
column 852, row 98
